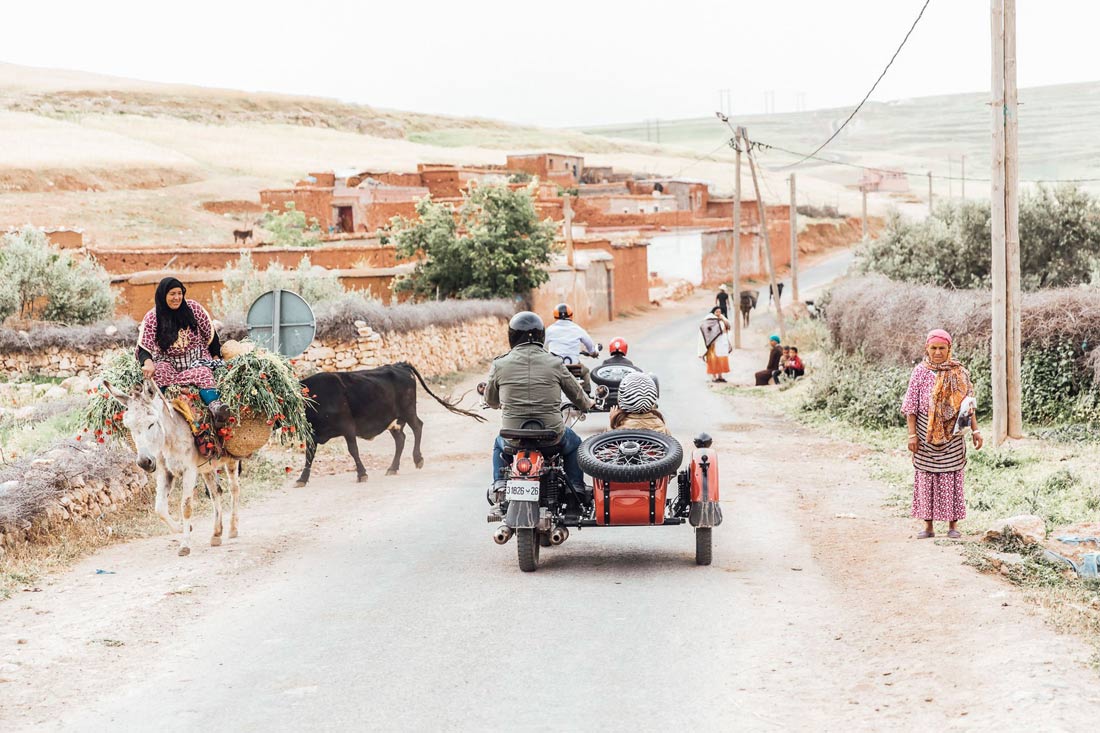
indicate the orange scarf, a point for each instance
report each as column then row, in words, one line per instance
column 952, row 387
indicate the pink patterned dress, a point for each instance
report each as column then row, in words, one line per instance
column 939, row 470
column 188, row 361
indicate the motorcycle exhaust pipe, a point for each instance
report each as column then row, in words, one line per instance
column 559, row 535
column 502, row 534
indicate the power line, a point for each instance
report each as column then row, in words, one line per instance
column 868, row 95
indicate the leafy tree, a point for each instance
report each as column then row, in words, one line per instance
column 492, row 246
column 1059, row 243
column 38, row 281
column 290, row 228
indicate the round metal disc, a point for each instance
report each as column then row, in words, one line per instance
column 282, row 321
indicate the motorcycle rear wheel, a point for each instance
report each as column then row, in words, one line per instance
column 527, row 549
column 703, row 548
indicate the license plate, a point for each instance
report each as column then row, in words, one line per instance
column 522, row 490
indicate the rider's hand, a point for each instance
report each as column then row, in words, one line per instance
column 148, row 368
column 481, row 387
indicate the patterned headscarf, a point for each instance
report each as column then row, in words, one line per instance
column 952, row 386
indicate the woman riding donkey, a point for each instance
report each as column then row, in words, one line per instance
column 177, row 345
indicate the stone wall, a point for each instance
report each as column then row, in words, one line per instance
column 434, row 350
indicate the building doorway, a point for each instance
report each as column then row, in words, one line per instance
column 345, row 220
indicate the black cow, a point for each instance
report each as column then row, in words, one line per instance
column 363, row 404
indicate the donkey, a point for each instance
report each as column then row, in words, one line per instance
column 748, row 302
column 242, row 234
column 166, row 447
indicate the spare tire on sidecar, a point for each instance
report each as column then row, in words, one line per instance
column 630, row 455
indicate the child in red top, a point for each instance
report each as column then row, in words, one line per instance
column 794, row 367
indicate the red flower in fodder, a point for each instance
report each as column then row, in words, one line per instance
column 288, row 469
column 100, row 440
column 78, row 437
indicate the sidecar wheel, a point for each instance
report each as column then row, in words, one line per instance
column 527, row 549
column 702, row 546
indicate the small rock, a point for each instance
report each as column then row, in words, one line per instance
column 1026, row 527
column 111, row 331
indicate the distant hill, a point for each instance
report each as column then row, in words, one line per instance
column 1059, row 134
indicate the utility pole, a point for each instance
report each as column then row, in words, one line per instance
column 930, row 193
column 567, row 227
column 962, row 176
column 950, row 183
column 794, row 244
column 1014, row 353
column 764, row 233
column 863, row 192
column 737, row 239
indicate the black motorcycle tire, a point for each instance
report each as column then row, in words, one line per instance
column 653, row 467
column 703, row 547
column 527, row 549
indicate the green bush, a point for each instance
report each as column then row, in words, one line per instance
column 290, row 228
column 244, row 283
column 493, row 246
column 1059, row 242
column 38, row 281
column 865, row 395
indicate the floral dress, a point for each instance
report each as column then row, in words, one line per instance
column 188, row 361
column 939, row 470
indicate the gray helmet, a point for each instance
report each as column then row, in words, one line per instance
column 526, row 328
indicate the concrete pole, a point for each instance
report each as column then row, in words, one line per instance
column 930, row 193
column 997, row 220
column 794, row 244
column 736, row 304
column 1014, row 349
column 863, row 193
column 768, row 259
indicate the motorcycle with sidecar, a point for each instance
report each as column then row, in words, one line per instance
column 631, row 473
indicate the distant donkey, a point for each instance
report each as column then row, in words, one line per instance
column 748, row 302
column 241, row 235
column 165, row 446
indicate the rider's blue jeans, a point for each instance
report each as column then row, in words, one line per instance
column 569, row 444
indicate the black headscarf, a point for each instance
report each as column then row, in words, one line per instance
column 171, row 322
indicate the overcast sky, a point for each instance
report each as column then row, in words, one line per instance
column 556, row 63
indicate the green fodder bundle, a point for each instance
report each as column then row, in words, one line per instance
column 258, row 384
column 262, row 384
column 103, row 415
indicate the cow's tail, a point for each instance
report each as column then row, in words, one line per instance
column 452, row 407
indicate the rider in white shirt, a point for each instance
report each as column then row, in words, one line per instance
column 566, row 339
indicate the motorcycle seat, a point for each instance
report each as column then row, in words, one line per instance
column 529, row 435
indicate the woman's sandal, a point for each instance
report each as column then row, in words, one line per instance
column 954, row 534
column 925, row 534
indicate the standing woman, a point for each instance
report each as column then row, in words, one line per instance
column 714, row 344
column 937, row 388
column 177, row 345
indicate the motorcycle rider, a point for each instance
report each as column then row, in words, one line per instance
column 618, row 348
column 529, row 381
column 566, row 339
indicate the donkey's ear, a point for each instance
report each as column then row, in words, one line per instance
column 149, row 389
column 121, row 397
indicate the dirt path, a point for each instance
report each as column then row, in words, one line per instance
column 386, row 606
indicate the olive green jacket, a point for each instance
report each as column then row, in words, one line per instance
column 528, row 382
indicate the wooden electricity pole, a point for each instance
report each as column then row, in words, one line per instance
column 930, row 193
column 863, row 220
column 1014, row 350
column 764, row 233
column 736, row 305
column 1006, row 348
column 794, row 244
column 962, row 176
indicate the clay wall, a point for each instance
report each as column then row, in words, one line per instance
column 316, row 203
column 334, row 256
column 630, row 275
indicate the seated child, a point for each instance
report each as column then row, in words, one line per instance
column 637, row 406
column 795, row 369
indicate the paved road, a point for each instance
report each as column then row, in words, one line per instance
column 388, row 607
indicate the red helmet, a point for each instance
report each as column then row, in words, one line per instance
column 563, row 311
column 618, row 346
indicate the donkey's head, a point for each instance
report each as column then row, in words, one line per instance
column 146, row 412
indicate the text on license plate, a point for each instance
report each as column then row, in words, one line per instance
column 522, row 490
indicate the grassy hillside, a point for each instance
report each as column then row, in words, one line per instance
column 1059, row 134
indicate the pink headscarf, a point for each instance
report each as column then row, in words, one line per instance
column 938, row 336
